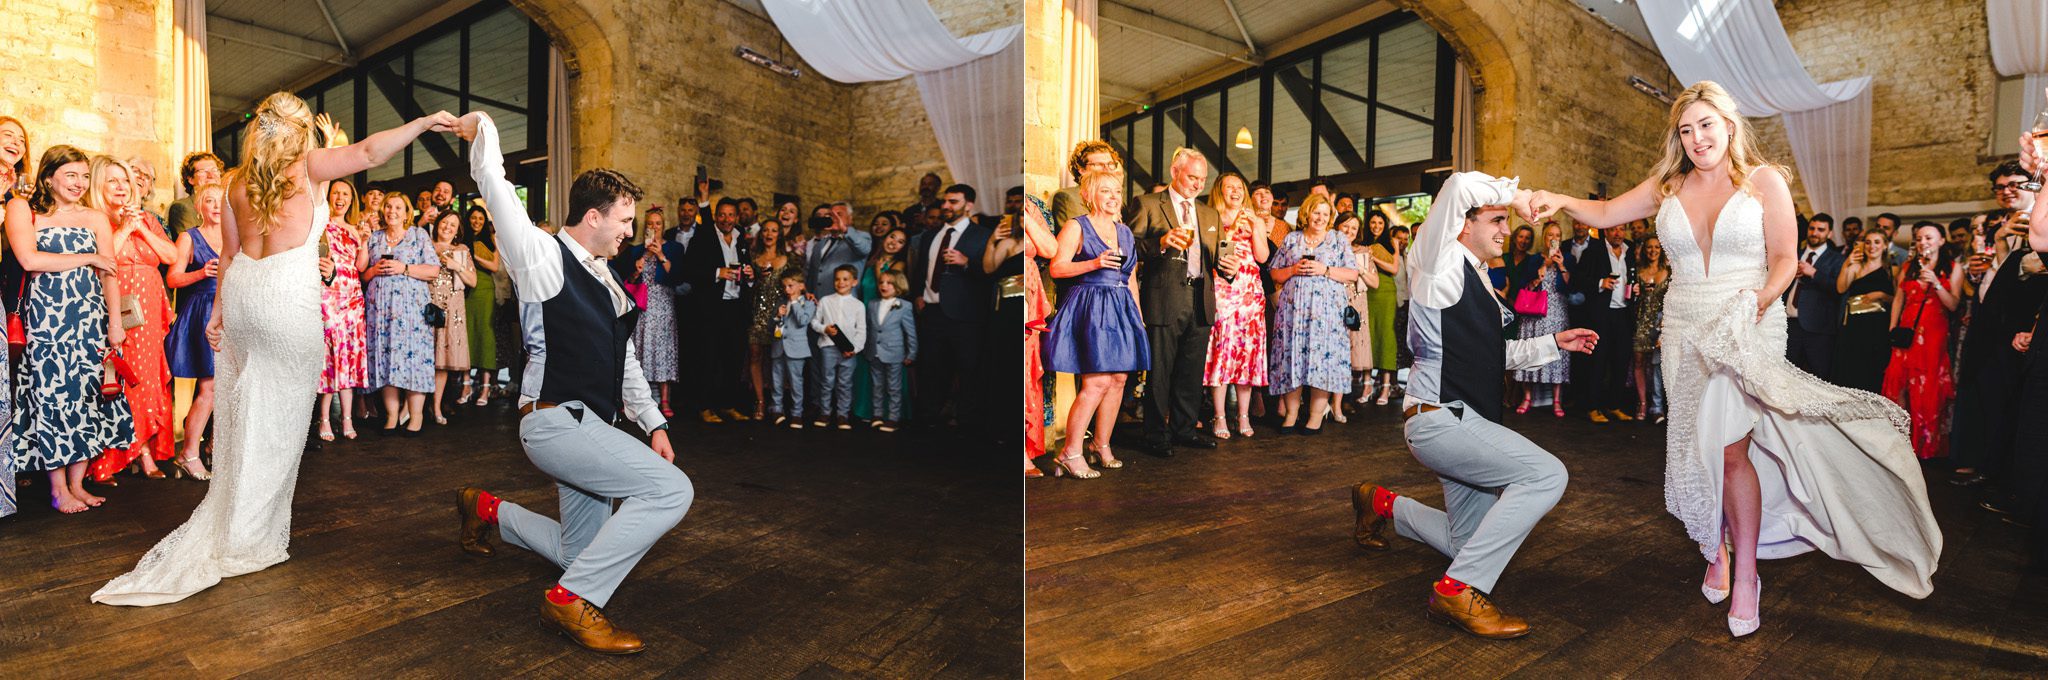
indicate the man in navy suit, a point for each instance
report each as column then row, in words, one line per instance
column 953, row 298
column 714, row 313
column 1813, row 303
column 1603, row 275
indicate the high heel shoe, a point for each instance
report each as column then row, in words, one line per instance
column 1062, row 470
column 1741, row 627
column 1385, row 394
column 186, row 466
column 1716, row 595
column 326, row 431
column 1220, row 431
column 1557, row 410
column 1108, row 462
column 1524, row 408
column 348, row 431
column 1339, row 415
column 1244, row 427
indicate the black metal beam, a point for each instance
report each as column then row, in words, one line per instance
column 1206, row 143
column 1325, row 125
column 408, row 108
column 1137, row 173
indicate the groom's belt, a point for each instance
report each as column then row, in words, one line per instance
column 1420, row 409
column 536, row 406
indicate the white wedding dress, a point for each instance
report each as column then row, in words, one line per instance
column 266, row 376
column 1837, row 471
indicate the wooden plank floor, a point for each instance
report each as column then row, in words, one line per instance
column 806, row 554
column 1238, row 562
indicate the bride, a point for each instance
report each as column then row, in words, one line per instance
column 1760, row 455
column 266, row 325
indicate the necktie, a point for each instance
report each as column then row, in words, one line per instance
column 931, row 280
column 1187, row 220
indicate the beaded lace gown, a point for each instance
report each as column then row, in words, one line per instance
column 272, row 352
column 1836, row 469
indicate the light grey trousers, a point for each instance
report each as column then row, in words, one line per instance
column 1497, row 485
column 594, row 463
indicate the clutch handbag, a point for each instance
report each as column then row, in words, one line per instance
column 131, row 311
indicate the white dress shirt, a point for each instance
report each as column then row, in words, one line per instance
column 933, row 260
column 1618, row 267
column 729, row 246
column 1188, row 215
column 1436, row 267
column 529, row 256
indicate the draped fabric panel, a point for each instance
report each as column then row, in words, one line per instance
column 2019, row 46
column 1080, row 77
column 977, row 112
column 875, row 40
column 192, row 122
column 1742, row 45
column 561, row 163
column 973, row 87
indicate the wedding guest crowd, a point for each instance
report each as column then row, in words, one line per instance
column 109, row 298
column 1216, row 285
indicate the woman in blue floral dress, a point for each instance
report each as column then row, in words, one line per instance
column 401, row 344
column 61, row 422
column 1310, row 348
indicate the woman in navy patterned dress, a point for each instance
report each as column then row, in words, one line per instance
column 1310, row 347
column 61, row 422
column 401, row 348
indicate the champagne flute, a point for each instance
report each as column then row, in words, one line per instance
column 2039, row 135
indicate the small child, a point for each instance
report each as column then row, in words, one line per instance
column 892, row 345
column 791, row 349
column 841, row 318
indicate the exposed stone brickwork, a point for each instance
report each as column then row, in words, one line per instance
column 92, row 74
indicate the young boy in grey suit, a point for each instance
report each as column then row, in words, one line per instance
column 892, row 346
column 791, row 349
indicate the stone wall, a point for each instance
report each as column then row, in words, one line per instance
column 658, row 92
column 95, row 74
column 1933, row 95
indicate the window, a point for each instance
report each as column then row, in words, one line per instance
column 1362, row 101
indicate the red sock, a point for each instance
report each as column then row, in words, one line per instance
column 1450, row 587
column 560, row 595
column 1383, row 502
column 487, row 507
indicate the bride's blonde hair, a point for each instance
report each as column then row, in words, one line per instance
column 1743, row 158
column 279, row 136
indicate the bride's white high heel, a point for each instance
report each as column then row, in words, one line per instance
column 1717, row 595
column 1741, row 627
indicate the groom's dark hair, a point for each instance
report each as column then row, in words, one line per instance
column 597, row 189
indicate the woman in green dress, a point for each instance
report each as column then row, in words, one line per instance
column 891, row 253
column 480, row 303
column 1380, row 303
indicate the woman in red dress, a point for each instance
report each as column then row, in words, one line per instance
column 1038, row 244
column 1237, row 346
column 341, row 305
column 1920, row 378
column 140, row 247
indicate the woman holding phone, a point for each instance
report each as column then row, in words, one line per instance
column 1861, row 352
column 1920, row 378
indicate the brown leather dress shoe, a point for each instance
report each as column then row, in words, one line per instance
column 1473, row 613
column 585, row 624
column 1367, row 529
column 475, row 537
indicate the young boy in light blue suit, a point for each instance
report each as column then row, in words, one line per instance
column 892, row 346
column 791, row 349
column 841, row 324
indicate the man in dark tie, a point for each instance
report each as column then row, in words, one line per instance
column 953, row 298
column 1813, row 303
column 1604, row 276
column 715, row 265
column 1176, row 242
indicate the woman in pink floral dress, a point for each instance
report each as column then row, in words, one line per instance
column 341, row 305
column 1237, row 344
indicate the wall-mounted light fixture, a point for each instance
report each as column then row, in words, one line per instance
column 1645, row 87
column 758, row 59
column 1244, row 137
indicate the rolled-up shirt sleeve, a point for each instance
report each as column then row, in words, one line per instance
column 1435, row 265
column 1532, row 352
column 640, row 404
column 523, row 248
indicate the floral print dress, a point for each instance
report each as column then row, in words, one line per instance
column 400, row 348
column 341, row 306
column 1309, row 346
column 1237, row 344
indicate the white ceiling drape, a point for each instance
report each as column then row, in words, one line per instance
column 1742, row 45
column 973, row 87
column 2019, row 47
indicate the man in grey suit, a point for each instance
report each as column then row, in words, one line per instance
column 1176, row 243
column 838, row 245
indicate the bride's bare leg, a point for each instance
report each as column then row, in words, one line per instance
column 1742, row 505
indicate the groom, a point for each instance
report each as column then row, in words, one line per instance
column 583, row 376
column 1497, row 484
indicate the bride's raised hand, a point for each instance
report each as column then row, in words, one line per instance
column 1543, row 204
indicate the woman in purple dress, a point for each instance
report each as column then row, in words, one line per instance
column 1097, row 332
